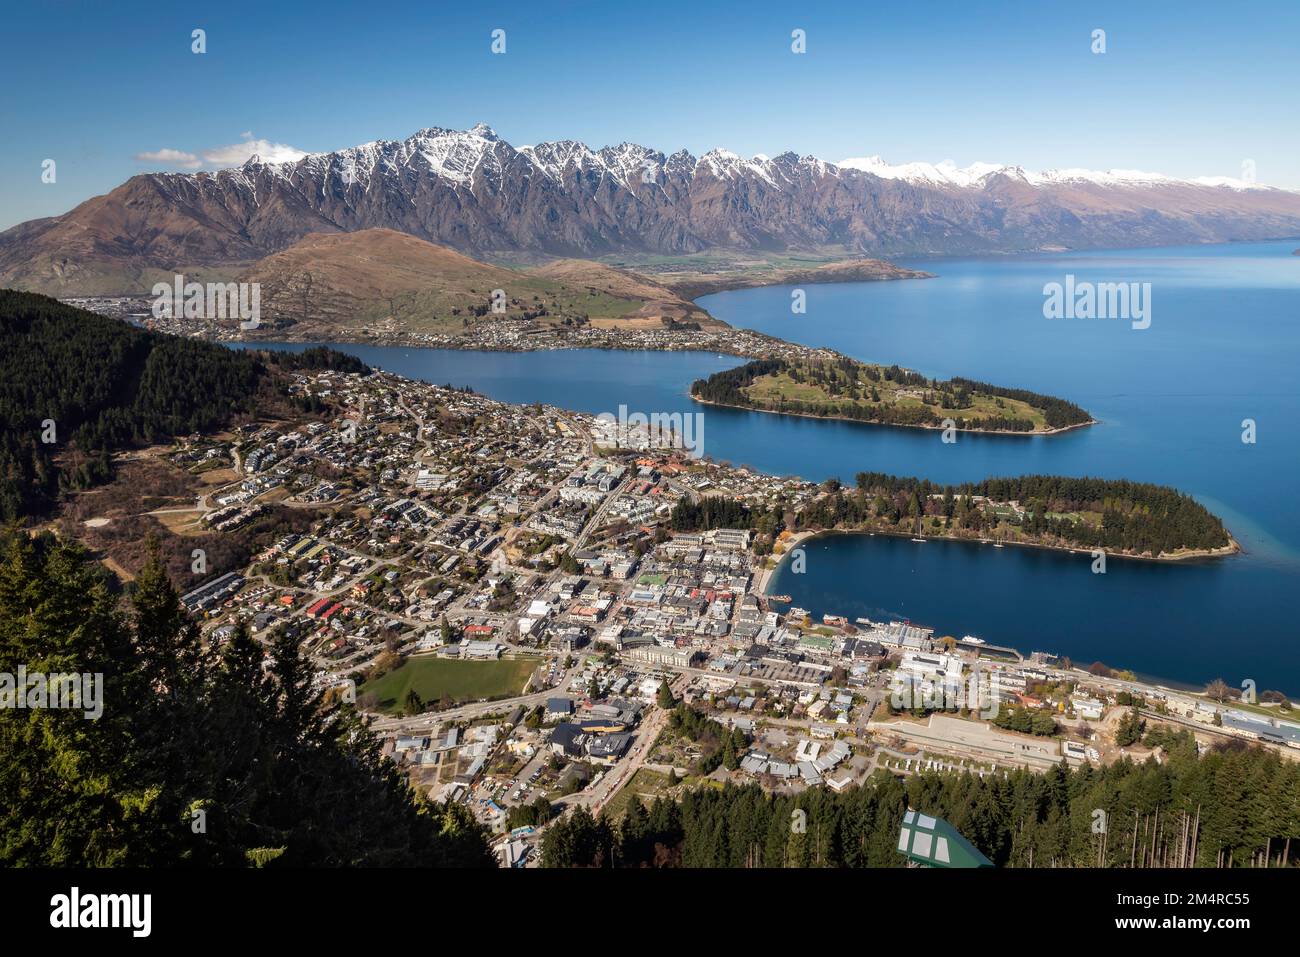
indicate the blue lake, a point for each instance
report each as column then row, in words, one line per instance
column 1223, row 346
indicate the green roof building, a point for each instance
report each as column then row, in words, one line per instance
column 815, row 642
column 933, row 842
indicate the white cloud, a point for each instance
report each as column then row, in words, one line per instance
column 237, row 153
column 170, row 157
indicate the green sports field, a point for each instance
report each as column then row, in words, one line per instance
column 460, row 680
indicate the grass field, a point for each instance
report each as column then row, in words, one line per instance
column 432, row 678
column 648, row 784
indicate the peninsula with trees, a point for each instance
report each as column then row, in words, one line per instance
column 1122, row 518
column 838, row 387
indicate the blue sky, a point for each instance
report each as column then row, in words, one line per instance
column 1186, row 89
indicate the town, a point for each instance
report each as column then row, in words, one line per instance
column 488, row 333
column 504, row 591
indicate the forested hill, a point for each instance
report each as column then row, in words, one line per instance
column 94, row 385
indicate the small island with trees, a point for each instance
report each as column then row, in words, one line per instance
column 843, row 388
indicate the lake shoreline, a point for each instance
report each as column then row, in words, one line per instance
column 1192, row 555
column 765, row 576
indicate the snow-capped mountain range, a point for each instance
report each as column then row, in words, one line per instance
column 473, row 191
column 977, row 175
column 455, row 156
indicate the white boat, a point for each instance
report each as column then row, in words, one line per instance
column 972, row 640
column 998, row 545
column 918, row 539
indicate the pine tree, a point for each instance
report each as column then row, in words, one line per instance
column 413, row 703
column 201, row 756
column 634, row 830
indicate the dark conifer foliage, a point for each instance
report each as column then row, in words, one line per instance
column 712, row 512
column 1058, row 412
column 202, row 756
column 1135, row 517
column 1234, row 806
column 318, row 358
column 107, row 385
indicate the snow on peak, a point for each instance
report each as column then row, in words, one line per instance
column 725, row 164
column 1110, row 177
column 977, row 175
column 946, row 173
column 459, row 156
column 1228, row 181
column 1137, row 177
column 628, row 160
column 451, row 154
column 720, row 156
column 558, row 156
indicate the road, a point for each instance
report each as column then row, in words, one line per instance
column 599, row 794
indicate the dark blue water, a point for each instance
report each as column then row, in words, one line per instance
column 1223, row 345
column 1183, row 623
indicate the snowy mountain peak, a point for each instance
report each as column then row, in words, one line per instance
column 940, row 174
column 453, row 155
column 724, row 164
